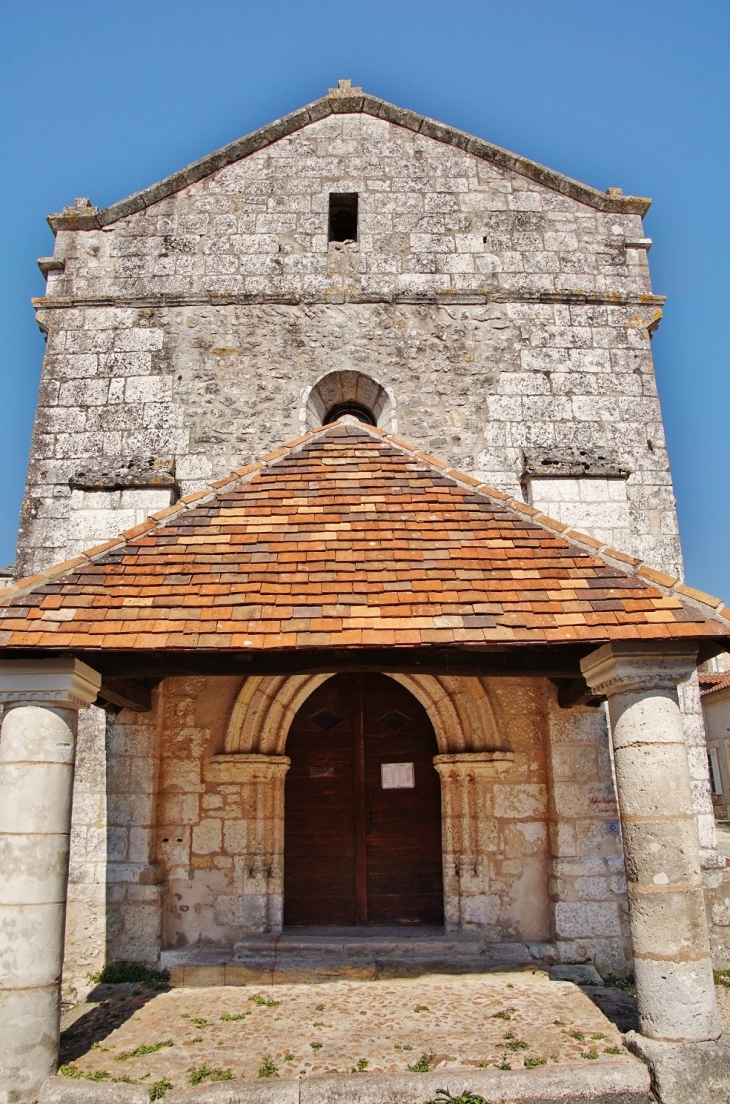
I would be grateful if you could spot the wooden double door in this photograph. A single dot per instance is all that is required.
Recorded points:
(362, 808)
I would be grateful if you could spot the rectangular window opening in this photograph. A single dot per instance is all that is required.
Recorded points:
(343, 216)
(713, 762)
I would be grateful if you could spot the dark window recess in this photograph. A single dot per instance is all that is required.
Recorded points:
(343, 216)
(356, 409)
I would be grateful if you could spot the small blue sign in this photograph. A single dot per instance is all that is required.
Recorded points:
(613, 828)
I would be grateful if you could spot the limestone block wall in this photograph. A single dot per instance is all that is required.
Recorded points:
(587, 885)
(496, 314)
(215, 387)
(194, 835)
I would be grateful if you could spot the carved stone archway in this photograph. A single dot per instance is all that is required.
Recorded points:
(459, 708)
(473, 755)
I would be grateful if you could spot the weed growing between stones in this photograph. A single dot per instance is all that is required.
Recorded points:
(598, 1035)
(143, 1048)
(722, 977)
(267, 1067)
(318, 1023)
(467, 1097)
(613, 1050)
(501, 1016)
(504, 1065)
(288, 1057)
(200, 1022)
(360, 1066)
(205, 1073)
(71, 1070)
(264, 1002)
(514, 1044)
(423, 1064)
(319, 1008)
(197, 1039)
(116, 973)
(591, 1055)
(158, 1090)
(577, 1035)
(228, 1018)
(316, 1046)
(533, 1063)
(421, 1008)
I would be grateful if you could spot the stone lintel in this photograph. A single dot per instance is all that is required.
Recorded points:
(571, 461)
(482, 764)
(64, 682)
(637, 665)
(135, 471)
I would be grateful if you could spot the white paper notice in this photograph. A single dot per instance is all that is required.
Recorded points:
(397, 776)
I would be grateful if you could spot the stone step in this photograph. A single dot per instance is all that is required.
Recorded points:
(316, 956)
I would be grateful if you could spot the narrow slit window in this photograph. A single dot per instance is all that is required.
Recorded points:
(343, 216)
(713, 762)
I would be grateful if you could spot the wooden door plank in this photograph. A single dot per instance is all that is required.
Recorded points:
(361, 861)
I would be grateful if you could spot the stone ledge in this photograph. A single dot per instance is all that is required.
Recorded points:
(624, 1081)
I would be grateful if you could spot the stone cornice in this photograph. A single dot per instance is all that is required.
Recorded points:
(216, 299)
(66, 683)
(346, 103)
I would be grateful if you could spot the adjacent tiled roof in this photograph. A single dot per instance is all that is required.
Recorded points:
(342, 101)
(349, 537)
(710, 683)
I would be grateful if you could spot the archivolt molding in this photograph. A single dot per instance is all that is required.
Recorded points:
(459, 709)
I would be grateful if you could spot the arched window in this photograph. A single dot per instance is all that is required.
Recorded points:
(348, 392)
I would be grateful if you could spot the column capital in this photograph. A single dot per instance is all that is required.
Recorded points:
(63, 682)
(245, 767)
(477, 764)
(638, 666)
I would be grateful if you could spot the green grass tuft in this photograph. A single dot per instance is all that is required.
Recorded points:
(115, 973)
(423, 1064)
(265, 1002)
(467, 1097)
(267, 1067)
(533, 1063)
(205, 1073)
(144, 1048)
(158, 1090)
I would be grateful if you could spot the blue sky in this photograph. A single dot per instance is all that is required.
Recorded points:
(101, 100)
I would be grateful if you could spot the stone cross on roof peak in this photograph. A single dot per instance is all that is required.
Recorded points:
(344, 88)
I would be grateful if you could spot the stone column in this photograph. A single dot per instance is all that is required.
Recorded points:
(673, 968)
(466, 817)
(256, 837)
(37, 748)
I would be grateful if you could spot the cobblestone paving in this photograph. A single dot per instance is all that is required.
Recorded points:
(508, 1020)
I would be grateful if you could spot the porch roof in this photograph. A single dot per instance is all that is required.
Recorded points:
(349, 538)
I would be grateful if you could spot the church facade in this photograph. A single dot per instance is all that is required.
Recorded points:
(348, 508)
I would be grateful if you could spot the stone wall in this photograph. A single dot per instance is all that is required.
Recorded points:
(190, 851)
(498, 315)
(588, 886)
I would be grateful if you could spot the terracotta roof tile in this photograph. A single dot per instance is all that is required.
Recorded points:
(349, 538)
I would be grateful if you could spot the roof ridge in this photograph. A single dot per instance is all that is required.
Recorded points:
(612, 557)
(343, 102)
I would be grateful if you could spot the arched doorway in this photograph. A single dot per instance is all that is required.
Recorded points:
(362, 808)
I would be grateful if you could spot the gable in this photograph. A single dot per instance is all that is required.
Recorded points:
(435, 220)
(348, 539)
(346, 100)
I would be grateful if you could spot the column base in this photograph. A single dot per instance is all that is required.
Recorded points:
(685, 1073)
(29, 1021)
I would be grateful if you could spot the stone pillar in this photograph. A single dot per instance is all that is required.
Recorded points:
(256, 837)
(467, 815)
(673, 968)
(37, 748)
